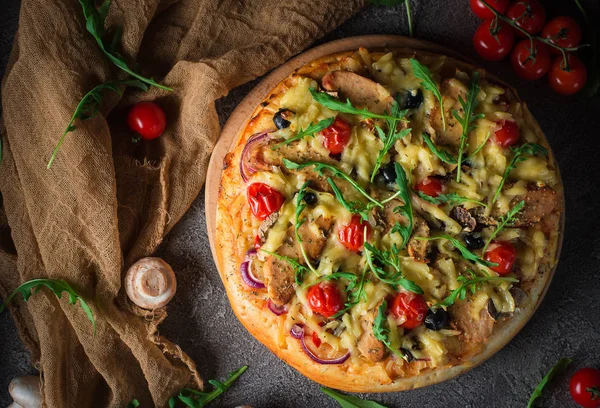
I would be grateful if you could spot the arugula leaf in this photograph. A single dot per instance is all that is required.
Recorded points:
(469, 117)
(299, 269)
(356, 292)
(300, 206)
(350, 401)
(94, 23)
(392, 259)
(381, 332)
(473, 285)
(423, 73)
(505, 220)
(531, 149)
(330, 102)
(133, 404)
(558, 368)
(405, 209)
(441, 154)
(481, 145)
(450, 198)
(58, 286)
(468, 255)
(88, 107)
(355, 207)
(309, 131)
(199, 399)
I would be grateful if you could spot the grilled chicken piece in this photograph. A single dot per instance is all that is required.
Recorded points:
(362, 92)
(473, 331)
(418, 248)
(451, 89)
(539, 202)
(389, 218)
(373, 349)
(314, 236)
(464, 218)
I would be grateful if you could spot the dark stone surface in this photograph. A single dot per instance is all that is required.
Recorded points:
(566, 324)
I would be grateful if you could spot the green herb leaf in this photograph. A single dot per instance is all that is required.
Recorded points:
(381, 332)
(133, 404)
(506, 219)
(309, 131)
(481, 145)
(199, 399)
(395, 278)
(355, 290)
(441, 154)
(300, 206)
(350, 401)
(423, 73)
(473, 285)
(468, 255)
(299, 269)
(559, 368)
(58, 286)
(450, 198)
(355, 207)
(530, 149)
(88, 107)
(405, 209)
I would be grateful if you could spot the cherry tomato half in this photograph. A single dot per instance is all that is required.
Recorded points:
(481, 11)
(567, 81)
(530, 15)
(410, 308)
(585, 387)
(325, 299)
(352, 236)
(493, 40)
(264, 200)
(530, 65)
(508, 134)
(432, 186)
(336, 136)
(148, 119)
(562, 31)
(503, 253)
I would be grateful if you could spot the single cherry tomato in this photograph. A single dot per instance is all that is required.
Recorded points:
(567, 80)
(562, 31)
(481, 11)
(336, 136)
(493, 40)
(503, 253)
(410, 308)
(530, 15)
(148, 119)
(432, 186)
(264, 200)
(531, 65)
(508, 134)
(585, 387)
(352, 236)
(325, 299)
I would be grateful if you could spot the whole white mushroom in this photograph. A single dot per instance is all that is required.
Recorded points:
(150, 283)
(26, 392)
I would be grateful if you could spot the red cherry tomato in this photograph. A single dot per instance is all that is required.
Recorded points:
(562, 31)
(528, 65)
(530, 15)
(432, 186)
(325, 299)
(410, 308)
(493, 41)
(264, 200)
(352, 236)
(481, 11)
(508, 134)
(336, 136)
(503, 253)
(585, 387)
(315, 339)
(567, 81)
(148, 119)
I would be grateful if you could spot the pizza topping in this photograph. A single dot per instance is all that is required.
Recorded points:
(461, 215)
(325, 299)
(251, 160)
(414, 99)
(409, 309)
(474, 241)
(264, 200)
(281, 118)
(352, 235)
(502, 253)
(246, 271)
(418, 248)
(530, 149)
(297, 332)
(539, 202)
(368, 345)
(508, 134)
(361, 91)
(279, 278)
(436, 319)
(277, 310)
(431, 186)
(475, 325)
(336, 136)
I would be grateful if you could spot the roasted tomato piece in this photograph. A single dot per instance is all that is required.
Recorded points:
(325, 299)
(409, 308)
(503, 253)
(264, 200)
(432, 186)
(336, 136)
(508, 134)
(352, 236)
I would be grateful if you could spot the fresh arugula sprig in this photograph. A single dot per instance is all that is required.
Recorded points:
(473, 284)
(309, 131)
(355, 289)
(450, 198)
(299, 269)
(447, 157)
(381, 332)
(354, 207)
(423, 73)
(396, 277)
(199, 399)
(506, 219)
(94, 23)
(558, 368)
(88, 107)
(404, 209)
(530, 149)
(300, 206)
(350, 401)
(467, 120)
(334, 104)
(133, 403)
(468, 255)
(58, 286)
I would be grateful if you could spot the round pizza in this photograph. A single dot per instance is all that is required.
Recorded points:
(388, 219)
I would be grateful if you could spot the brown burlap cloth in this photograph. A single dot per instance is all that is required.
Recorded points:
(105, 202)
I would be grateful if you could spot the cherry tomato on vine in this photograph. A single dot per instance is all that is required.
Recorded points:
(432, 186)
(530, 15)
(493, 40)
(409, 308)
(567, 80)
(562, 31)
(325, 299)
(148, 119)
(508, 134)
(503, 253)
(352, 236)
(336, 136)
(481, 11)
(585, 387)
(530, 65)
(264, 200)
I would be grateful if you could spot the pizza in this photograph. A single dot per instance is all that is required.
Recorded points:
(388, 219)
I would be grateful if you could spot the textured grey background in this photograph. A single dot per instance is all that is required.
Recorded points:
(566, 324)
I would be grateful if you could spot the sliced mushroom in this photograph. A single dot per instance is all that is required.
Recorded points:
(26, 391)
(150, 283)
(361, 91)
(266, 225)
(418, 248)
(464, 218)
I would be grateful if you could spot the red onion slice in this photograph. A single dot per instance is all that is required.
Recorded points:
(245, 170)
(278, 310)
(297, 332)
(246, 271)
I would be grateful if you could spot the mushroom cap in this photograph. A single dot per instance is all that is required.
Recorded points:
(150, 283)
(26, 392)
